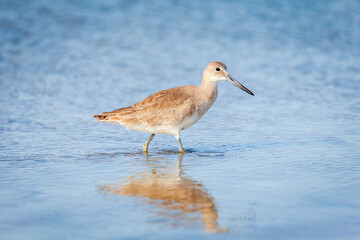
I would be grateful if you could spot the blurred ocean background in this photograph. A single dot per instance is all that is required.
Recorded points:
(284, 164)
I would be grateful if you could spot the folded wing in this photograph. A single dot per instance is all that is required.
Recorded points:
(168, 107)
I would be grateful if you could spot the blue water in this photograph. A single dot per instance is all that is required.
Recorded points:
(284, 164)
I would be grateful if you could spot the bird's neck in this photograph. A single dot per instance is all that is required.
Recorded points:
(208, 90)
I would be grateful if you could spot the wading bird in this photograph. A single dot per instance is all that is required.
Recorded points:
(172, 110)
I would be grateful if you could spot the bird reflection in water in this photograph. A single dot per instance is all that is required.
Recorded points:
(179, 198)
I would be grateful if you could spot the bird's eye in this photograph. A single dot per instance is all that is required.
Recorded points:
(217, 69)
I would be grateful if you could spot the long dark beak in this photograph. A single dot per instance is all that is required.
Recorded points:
(239, 85)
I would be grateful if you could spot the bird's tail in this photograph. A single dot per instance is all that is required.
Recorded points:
(100, 117)
(114, 115)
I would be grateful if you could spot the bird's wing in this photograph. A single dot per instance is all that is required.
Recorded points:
(161, 108)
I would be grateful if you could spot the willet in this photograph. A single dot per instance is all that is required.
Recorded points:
(172, 110)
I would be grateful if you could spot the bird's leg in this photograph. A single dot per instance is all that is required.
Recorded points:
(146, 144)
(181, 149)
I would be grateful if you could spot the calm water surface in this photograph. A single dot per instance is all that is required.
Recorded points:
(284, 164)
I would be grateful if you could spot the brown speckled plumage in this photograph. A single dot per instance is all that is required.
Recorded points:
(159, 108)
(172, 110)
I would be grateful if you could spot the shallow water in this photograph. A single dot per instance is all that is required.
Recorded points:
(284, 164)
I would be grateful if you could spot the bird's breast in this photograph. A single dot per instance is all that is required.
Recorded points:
(204, 106)
(201, 109)
(191, 120)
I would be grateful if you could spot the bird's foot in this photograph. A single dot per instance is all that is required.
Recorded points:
(182, 151)
(145, 149)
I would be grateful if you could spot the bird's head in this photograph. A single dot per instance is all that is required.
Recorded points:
(217, 71)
